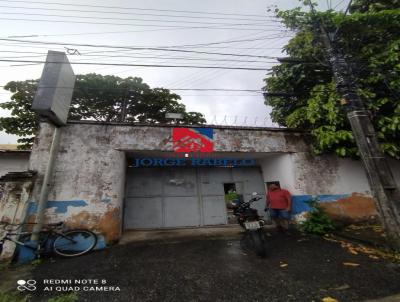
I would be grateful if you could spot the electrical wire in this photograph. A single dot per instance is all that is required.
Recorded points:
(208, 75)
(265, 18)
(134, 48)
(179, 89)
(138, 65)
(202, 74)
(148, 57)
(126, 24)
(138, 19)
(131, 8)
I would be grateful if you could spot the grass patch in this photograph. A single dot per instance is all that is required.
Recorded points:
(71, 297)
(12, 297)
(36, 262)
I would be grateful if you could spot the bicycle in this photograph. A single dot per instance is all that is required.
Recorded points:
(70, 243)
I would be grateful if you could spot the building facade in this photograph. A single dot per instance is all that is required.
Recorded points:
(116, 177)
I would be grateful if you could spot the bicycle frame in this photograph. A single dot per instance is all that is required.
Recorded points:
(8, 237)
(36, 248)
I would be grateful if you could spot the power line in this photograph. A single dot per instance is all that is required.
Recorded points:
(134, 48)
(196, 75)
(167, 46)
(170, 46)
(149, 57)
(207, 75)
(265, 18)
(180, 89)
(204, 70)
(255, 48)
(202, 45)
(126, 24)
(137, 19)
(217, 89)
(132, 8)
(138, 65)
(228, 41)
(224, 95)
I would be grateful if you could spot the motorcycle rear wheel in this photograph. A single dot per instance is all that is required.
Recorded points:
(259, 243)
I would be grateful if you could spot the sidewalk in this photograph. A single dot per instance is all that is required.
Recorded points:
(225, 231)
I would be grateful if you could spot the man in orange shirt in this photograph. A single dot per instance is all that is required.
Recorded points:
(279, 202)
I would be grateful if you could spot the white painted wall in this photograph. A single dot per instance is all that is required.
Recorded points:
(13, 162)
(279, 167)
(305, 174)
(351, 177)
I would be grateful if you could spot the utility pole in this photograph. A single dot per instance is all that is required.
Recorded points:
(384, 189)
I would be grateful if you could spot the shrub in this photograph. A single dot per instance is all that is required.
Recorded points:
(317, 221)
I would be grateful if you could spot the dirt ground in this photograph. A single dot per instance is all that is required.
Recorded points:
(298, 268)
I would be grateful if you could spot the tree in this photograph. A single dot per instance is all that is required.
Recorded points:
(98, 98)
(370, 38)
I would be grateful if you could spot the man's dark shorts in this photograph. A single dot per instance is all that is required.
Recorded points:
(278, 213)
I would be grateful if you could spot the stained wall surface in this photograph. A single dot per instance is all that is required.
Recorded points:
(88, 183)
(13, 161)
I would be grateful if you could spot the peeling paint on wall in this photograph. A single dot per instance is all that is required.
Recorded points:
(16, 191)
(87, 188)
(107, 223)
(355, 207)
(60, 206)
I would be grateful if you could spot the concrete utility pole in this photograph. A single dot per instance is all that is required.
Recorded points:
(384, 189)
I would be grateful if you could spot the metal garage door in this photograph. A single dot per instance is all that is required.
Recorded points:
(182, 196)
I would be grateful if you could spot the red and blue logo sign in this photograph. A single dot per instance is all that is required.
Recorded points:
(192, 139)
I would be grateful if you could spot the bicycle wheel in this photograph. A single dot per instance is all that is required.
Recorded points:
(74, 243)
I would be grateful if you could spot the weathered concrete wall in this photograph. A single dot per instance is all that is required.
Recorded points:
(88, 182)
(13, 161)
(340, 184)
(87, 188)
(15, 193)
(147, 138)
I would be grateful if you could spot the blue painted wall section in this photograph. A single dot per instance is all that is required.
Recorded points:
(26, 254)
(61, 206)
(299, 202)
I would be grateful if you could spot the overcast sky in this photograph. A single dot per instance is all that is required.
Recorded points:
(153, 23)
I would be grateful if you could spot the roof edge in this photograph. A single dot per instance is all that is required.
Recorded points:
(72, 122)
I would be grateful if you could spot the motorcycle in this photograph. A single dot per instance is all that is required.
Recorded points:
(252, 223)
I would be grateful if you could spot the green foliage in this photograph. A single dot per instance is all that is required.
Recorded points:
(12, 297)
(231, 196)
(96, 97)
(317, 223)
(36, 262)
(370, 38)
(71, 297)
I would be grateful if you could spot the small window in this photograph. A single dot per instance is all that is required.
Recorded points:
(275, 182)
(229, 187)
